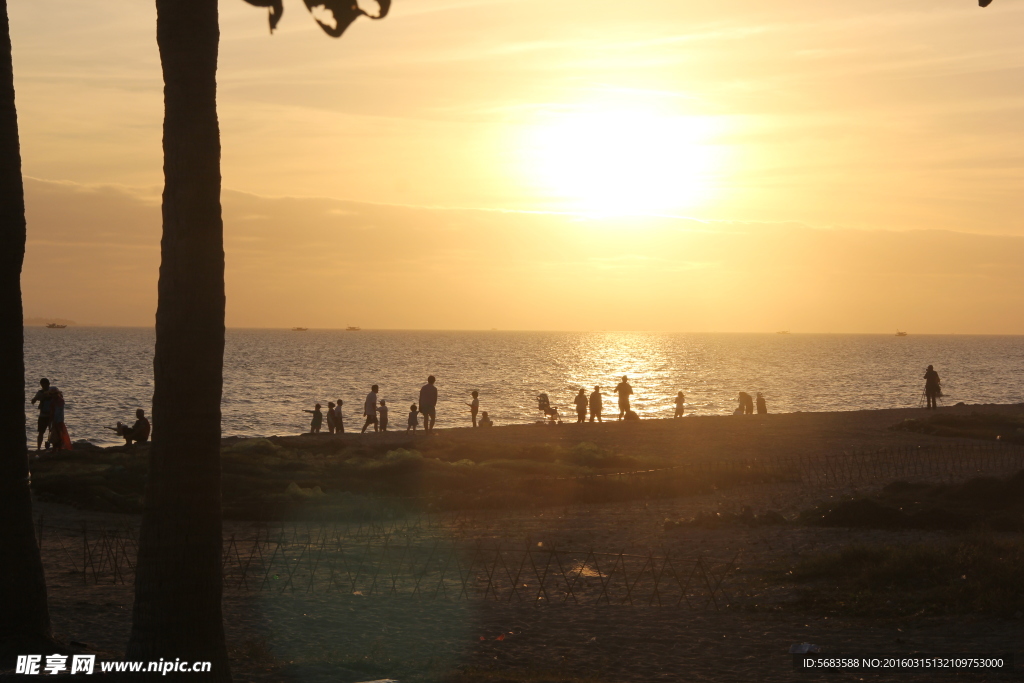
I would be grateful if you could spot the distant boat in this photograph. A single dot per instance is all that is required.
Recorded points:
(353, 328)
(900, 334)
(55, 326)
(299, 329)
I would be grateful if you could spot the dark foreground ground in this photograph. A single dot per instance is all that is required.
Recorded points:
(293, 635)
(784, 584)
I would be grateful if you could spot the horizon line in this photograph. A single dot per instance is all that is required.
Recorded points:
(564, 331)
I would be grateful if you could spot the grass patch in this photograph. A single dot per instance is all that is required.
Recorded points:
(970, 576)
(987, 426)
(291, 477)
(990, 503)
(328, 478)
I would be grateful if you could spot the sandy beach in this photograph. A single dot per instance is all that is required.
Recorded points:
(301, 633)
(711, 437)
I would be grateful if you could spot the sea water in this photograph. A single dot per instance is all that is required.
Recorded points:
(270, 376)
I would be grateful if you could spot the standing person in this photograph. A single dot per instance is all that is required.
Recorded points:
(414, 418)
(581, 406)
(680, 404)
(318, 419)
(370, 409)
(596, 404)
(746, 404)
(762, 407)
(624, 391)
(474, 407)
(45, 411)
(58, 430)
(331, 417)
(383, 410)
(339, 422)
(428, 404)
(932, 388)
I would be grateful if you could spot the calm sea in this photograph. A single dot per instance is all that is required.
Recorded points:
(270, 376)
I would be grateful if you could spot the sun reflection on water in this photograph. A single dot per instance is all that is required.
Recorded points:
(270, 376)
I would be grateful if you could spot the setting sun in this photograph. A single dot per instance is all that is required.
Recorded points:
(623, 161)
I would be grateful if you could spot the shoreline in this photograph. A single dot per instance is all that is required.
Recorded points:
(73, 324)
(707, 435)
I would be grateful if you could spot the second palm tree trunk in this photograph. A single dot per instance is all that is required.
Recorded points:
(177, 613)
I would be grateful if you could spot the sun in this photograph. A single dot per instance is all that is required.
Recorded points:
(622, 161)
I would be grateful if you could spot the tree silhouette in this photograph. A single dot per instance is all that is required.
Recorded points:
(24, 617)
(178, 584)
(343, 11)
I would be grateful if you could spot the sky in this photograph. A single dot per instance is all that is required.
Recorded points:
(737, 166)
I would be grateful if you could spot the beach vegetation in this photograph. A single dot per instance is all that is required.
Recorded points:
(976, 574)
(1004, 427)
(995, 503)
(253, 447)
(434, 474)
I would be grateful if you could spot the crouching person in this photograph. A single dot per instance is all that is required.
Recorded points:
(138, 432)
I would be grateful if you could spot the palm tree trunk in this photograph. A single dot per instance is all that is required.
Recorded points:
(178, 580)
(24, 618)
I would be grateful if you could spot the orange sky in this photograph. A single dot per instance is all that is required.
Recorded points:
(729, 166)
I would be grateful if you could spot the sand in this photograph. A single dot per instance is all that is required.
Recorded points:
(704, 437)
(313, 637)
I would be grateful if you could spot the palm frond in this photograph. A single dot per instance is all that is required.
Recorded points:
(343, 11)
(276, 10)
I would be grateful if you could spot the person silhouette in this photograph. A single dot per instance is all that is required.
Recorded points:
(474, 406)
(485, 421)
(331, 417)
(746, 404)
(581, 406)
(428, 404)
(58, 438)
(138, 432)
(318, 419)
(680, 404)
(762, 407)
(932, 388)
(596, 404)
(624, 391)
(339, 422)
(370, 409)
(45, 411)
(383, 410)
(544, 405)
(414, 418)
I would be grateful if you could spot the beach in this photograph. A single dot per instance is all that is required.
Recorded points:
(781, 240)
(314, 629)
(271, 376)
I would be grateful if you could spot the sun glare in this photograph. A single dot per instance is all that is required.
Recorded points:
(622, 161)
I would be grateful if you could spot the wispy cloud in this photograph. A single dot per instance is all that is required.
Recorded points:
(93, 254)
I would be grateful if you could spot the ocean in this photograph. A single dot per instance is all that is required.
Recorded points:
(270, 376)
